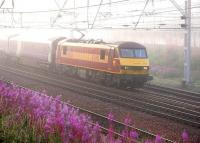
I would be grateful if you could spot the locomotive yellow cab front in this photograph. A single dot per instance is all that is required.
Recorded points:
(134, 64)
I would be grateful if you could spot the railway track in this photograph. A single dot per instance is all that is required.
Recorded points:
(118, 126)
(179, 107)
(174, 91)
(159, 105)
(174, 108)
(188, 102)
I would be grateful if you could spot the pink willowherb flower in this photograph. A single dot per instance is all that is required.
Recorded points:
(110, 116)
(185, 136)
(127, 120)
(158, 139)
(49, 116)
(134, 135)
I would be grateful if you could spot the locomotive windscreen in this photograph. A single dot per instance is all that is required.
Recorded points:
(133, 53)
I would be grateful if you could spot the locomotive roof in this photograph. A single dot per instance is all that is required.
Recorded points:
(102, 45)
(88, 45)
(130, 45)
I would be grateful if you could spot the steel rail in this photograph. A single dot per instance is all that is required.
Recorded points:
(171, 98)
(166, 99)
(142, 106)
(182, 93)
(178, 99)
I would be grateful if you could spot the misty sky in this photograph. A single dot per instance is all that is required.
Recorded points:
(120, 14)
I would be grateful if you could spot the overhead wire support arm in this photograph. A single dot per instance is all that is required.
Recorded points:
(141, 13)
(8, 7)
(60, 9)
(88, 3)
(178, 7)
(2, 3)
(97, 13)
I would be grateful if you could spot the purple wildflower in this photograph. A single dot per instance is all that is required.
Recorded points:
(185, 136)
(127, 120)
(110, 116)
(51, 116)
(158, 139)
(134, 135)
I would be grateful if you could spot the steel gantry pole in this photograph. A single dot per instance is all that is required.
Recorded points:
(187, 47)
(187, 44)
(186, 14)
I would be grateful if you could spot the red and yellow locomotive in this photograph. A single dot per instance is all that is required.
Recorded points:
(122, 64)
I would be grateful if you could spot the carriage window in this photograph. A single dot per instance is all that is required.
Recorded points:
(64, 50)
(102, 54)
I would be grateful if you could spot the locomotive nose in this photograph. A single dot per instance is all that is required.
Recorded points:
(134, 62)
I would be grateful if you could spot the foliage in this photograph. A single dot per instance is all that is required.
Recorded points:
(168, 62)
(28, 116)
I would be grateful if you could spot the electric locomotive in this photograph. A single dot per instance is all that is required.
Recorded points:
(122, 64)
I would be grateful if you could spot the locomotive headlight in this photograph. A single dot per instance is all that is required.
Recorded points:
(145, 68)
(124, 67)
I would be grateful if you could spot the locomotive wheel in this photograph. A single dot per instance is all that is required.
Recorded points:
(117, 83)
(92, 77)
(108, 80)
(89, 76)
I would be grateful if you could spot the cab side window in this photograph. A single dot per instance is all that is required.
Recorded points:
(102, 54)
(116, 55)
(64, 50)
